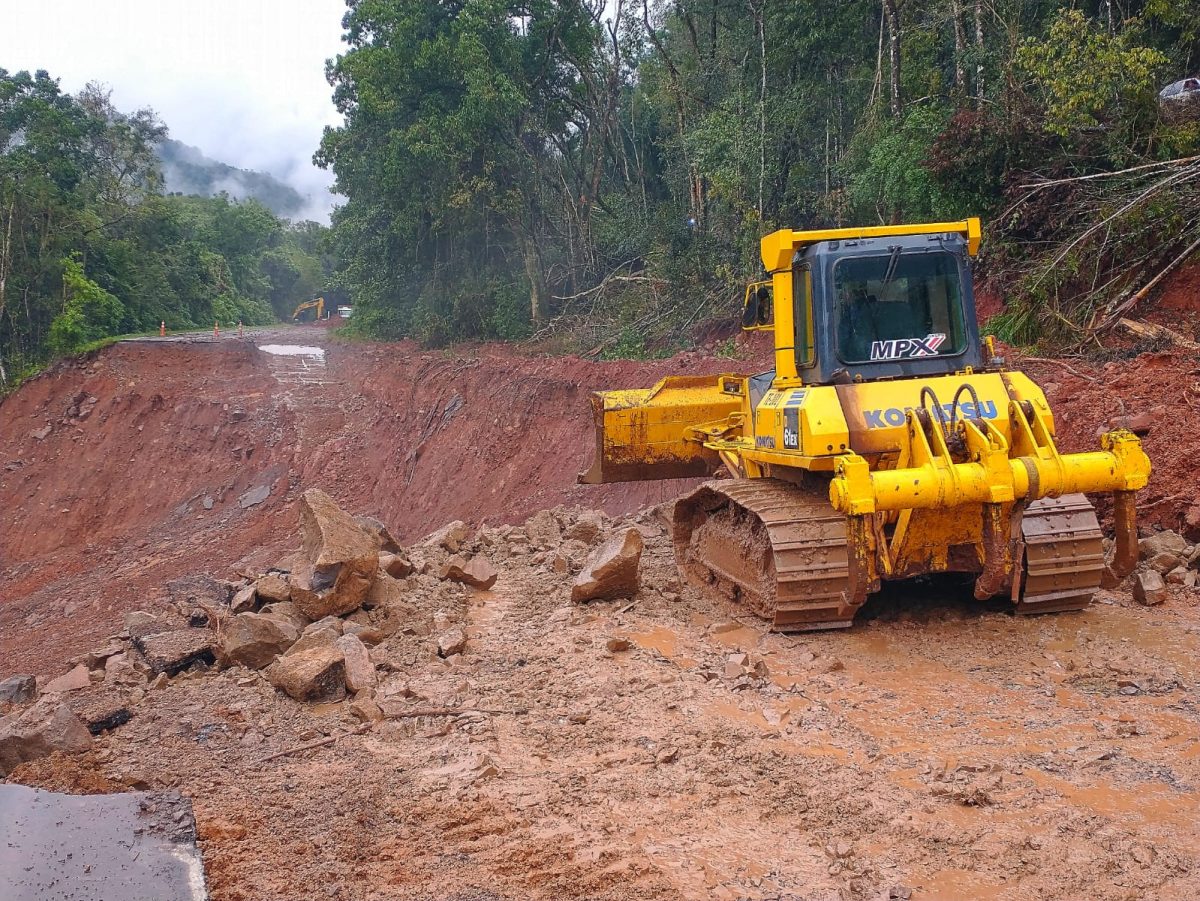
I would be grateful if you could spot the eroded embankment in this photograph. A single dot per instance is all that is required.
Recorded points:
(151, 460)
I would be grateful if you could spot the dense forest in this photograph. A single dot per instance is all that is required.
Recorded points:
(90, 247)
(608, 166)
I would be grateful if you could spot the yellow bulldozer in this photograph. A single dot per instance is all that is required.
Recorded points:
(890, 441)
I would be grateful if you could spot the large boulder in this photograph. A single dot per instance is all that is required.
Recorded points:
(321, 634)
(331, 536)
(254, 640)
(317, 674)
(39, 731)
(335, 591)
(477, 572)
(1164, 542)
(612, 571)
(173, 652)
(385, 592)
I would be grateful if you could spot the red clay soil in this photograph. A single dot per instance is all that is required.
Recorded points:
(107, 506)
(103, 509)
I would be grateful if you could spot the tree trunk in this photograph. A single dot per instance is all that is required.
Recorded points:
(960, 48)
(891, 11)
(759, 13)
(979, 54)
(533, 271)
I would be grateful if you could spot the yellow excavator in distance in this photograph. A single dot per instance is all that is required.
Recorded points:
(317, 303)
(889, 441)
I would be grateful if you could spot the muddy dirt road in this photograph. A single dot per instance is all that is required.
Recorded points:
(939, 750)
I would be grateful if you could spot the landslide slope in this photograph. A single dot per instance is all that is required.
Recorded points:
(151, 460)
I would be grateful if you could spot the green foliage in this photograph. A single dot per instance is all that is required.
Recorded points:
(89, 313)
(1089, 80)
(96, 250)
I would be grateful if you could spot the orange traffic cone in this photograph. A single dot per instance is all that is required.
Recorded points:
(239, 328)
(162, 329)
(216, 329)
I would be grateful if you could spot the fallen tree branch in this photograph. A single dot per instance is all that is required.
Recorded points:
(318, 743)
(447, 711)
(1157, 332)
(1140, 295)
(612, 278)
(1071, 369)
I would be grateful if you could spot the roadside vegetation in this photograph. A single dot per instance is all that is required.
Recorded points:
(91, 248)
(605, 169)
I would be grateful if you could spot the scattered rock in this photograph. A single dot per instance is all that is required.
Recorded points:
(395, 566)
(254, 496)
(587, 527)
(367, 634)
(736, 665)
(360, 672)
(385, 592)
(173, 652)
(331, 536)
(612, 571)
(254, 640)
(317, 674)
(244, 600)
(1179, 575)
(41, 434)
(1149, 588)
(1165, 561)
(95, 659)
(17, 690)
(367, 710)
(102, 713)
(272, 589)
(616, 645)
(44, 728)
(477, 572)
(452, 642)
(77, 678)
(450, 536)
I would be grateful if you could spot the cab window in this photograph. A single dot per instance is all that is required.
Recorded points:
(898, 306)
(806, 353)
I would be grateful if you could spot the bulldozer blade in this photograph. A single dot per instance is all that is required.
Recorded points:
(646, 434)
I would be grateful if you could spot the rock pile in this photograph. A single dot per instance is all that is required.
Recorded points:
(331, 621)
(1166, 559)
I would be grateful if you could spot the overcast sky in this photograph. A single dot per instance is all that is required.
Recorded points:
(243, 80)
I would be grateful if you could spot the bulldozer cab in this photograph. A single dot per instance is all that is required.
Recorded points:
(874, 303)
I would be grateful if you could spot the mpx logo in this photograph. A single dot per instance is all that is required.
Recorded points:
(898, 348)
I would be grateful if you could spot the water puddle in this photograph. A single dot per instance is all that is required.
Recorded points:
(292, 350)
(661, 639)
(954, 885)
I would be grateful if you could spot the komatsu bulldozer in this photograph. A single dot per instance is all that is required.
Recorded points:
(889, 441)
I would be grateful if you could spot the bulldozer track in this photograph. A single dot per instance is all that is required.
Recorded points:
(1064, 555)
(777, 547)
